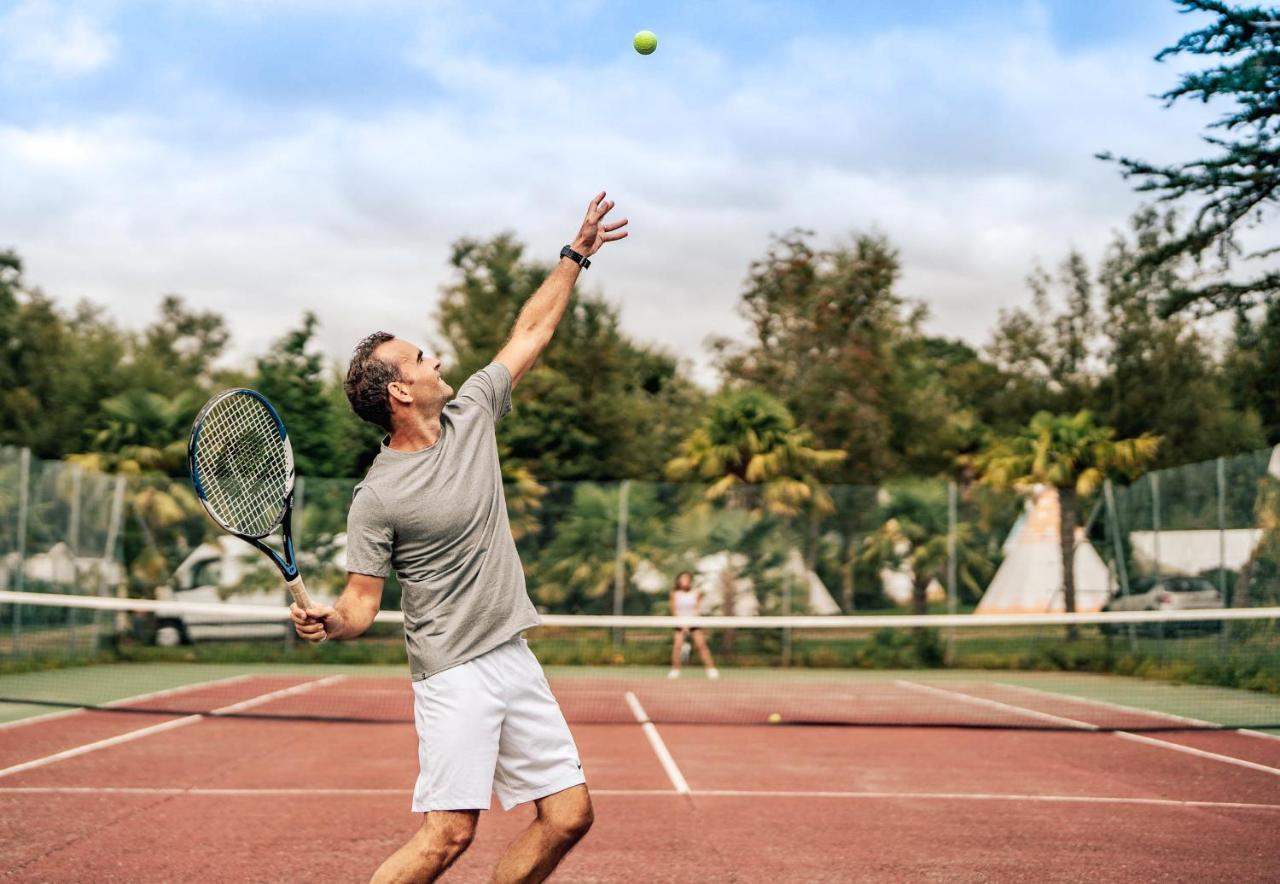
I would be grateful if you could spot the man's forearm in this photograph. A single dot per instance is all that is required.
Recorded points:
(542, 312)
(355, 616)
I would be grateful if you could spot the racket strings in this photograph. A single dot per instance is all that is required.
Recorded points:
(243, 465)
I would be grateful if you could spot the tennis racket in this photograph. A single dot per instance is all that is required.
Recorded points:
(242, 468)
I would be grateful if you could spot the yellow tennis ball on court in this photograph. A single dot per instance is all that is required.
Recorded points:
(645, 42)
(774, 718)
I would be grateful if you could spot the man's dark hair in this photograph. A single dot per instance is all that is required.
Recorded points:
(367, 379)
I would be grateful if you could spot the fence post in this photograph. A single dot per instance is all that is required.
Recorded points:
(1122, 572)
(619, 562)
(114, 523)
(1155, 521)
(1222, 529)
(24, 485)
(73, 545)
(953, 600)
(73, 518)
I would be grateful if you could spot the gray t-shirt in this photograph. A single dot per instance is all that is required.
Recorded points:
(439, 517)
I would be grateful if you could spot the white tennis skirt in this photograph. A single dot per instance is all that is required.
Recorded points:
(491, 725)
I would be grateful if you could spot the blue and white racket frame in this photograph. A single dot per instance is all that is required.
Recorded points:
(288, 563)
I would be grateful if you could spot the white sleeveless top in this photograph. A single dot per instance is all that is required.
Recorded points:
(686, 603)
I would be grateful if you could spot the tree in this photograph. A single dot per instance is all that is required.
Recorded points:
(1241, 181)
(177, 352)
(1161, 376)
(1048, 352)
(752, 455)
(826, 328)
(912, 538)
(143, 432)
(55, 370)
(1073, 454)
(1252, 365)
(593, 393)
(296, 381)
(576, 571)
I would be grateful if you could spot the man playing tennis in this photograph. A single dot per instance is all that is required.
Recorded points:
(432, 507)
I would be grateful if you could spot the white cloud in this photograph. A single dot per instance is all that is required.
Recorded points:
(972, 152)
(38, 36)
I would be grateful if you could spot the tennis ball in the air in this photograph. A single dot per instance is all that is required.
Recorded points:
(774, 718)
(645, 42)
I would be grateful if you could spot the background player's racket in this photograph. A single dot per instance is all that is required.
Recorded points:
(242, 468)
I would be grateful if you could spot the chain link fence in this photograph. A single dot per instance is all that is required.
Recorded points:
(616, 547)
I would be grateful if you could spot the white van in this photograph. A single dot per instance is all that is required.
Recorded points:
(230, 571)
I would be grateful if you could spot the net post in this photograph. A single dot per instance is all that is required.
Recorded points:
(619, 560)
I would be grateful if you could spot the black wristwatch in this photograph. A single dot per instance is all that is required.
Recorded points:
(581, 260)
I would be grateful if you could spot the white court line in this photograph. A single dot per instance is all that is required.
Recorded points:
(100, 744)
(163, 726)
(659, 747)
(662, 793)
(1150, 741)
(1105, 704)
(1199, 753)
(277, 695)
(981, 796)
(996, 704)
(116, 704)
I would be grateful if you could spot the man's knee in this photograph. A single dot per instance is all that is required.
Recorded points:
(571, 821)
(450, 834)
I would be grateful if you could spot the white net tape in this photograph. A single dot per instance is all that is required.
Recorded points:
(243, 464)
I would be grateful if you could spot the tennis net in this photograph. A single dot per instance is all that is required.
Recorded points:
(1135, 671)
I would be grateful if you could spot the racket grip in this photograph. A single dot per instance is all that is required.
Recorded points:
(299, 593)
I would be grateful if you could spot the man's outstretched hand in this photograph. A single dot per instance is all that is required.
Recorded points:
(594, 232)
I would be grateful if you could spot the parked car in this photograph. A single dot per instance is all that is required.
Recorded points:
(229, 571)
(1167, 594)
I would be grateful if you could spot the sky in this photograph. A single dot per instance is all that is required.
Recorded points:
(267, 158)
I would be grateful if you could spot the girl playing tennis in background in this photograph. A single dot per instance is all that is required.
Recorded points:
(684, 603)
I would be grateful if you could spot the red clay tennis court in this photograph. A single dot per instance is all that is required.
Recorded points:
(250, 795)
(227, 775)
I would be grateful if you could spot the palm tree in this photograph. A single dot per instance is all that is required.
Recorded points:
(524, 495)
(1074, 455)
(913, 538)
(576, 571)
(145, 432)
(754, 457)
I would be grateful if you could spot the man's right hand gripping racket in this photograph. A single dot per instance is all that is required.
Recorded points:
(242, 468)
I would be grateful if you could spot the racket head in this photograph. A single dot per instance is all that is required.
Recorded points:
(242, 463)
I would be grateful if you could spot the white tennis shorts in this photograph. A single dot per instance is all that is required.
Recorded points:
(491, 725)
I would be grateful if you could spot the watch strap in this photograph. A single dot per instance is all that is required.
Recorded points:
(581, 260)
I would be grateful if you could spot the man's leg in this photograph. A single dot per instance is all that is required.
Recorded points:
(563, 818)
(443, 837)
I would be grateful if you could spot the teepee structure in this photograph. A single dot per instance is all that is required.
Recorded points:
(1030, 579)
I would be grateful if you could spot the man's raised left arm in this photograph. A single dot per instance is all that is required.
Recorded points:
(541, 313)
